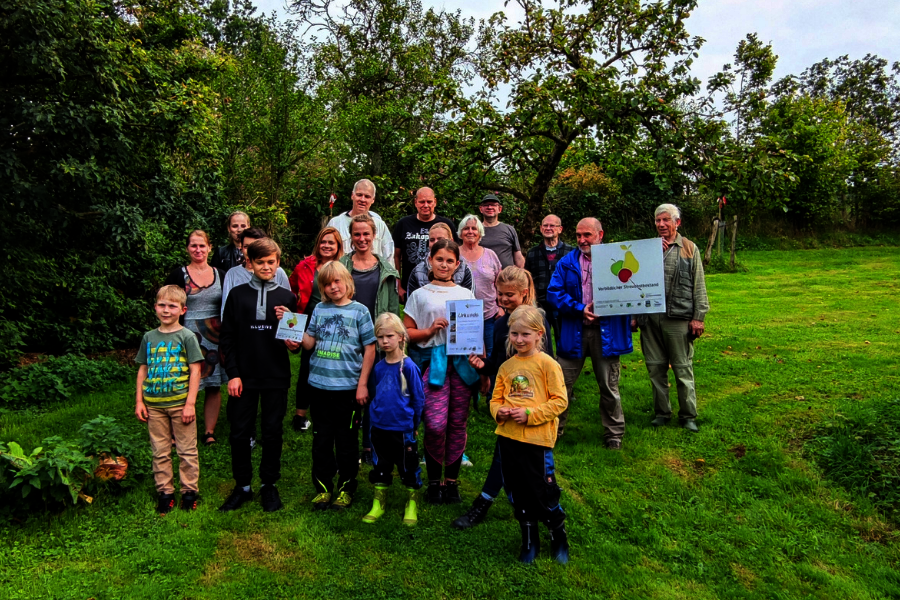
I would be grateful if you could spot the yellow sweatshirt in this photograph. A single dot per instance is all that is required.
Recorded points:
(535, 383)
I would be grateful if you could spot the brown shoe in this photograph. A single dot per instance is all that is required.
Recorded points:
(614, 445)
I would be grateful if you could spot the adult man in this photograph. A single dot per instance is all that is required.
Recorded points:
(500, 237)
(363, 197)
(411, 235)
(541, 262)
(583, 334)
(668, 338)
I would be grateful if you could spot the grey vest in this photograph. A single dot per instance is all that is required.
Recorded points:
(680, 299)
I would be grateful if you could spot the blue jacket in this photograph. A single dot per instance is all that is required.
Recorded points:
(391, 409)
(564, 292)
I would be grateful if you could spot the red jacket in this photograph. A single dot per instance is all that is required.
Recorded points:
(302, 280)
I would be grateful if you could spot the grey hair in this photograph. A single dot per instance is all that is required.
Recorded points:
(670, 209)
(466, 219)
(366, 182)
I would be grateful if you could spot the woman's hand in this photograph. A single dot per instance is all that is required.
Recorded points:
(476, 361)
(519, 415)
(439, 324)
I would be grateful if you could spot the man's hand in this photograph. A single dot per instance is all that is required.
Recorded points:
(485, 385)
(519, 415)
(188, 414)
(362, 394)
(292, 345)
(235, 387)
(140, 411)
(665, 244)
(589, 316)
(696, 328)
(401, 292)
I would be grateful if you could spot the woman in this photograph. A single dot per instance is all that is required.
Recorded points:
(329, 246)
(203, 285)
(421, 274)
(230, 255)
(485, 266)
(376, 289)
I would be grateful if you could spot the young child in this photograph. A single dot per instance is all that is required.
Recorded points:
(395, 413)
(167, 383)
(528, 398)
(341, 332)
(515, 287)
(259, 374)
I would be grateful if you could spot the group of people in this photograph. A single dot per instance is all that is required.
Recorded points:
(363, 366)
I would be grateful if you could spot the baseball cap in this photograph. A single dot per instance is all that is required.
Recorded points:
(491, 198)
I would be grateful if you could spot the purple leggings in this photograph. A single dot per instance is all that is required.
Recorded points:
(445, 415)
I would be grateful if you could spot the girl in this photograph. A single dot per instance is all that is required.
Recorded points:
(395, 413)
(341, 332)
(229, 256)
(447, 379)
(203, 285)
(514, 289)
(529, 396)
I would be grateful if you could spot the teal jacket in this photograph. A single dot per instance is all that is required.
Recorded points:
(387, 299)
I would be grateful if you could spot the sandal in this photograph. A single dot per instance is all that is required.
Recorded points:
(208, 439)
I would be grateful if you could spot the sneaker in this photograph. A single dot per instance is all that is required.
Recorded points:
(451, 493)
(466, 462)
(189, 501)
(475, 515)
(614, 445)
(165, 504)
(342, 502)
(322, 501)
(269, 498)
(688, 424)
(237, 499)
(300, 423)
(435, 493)
(365, 458)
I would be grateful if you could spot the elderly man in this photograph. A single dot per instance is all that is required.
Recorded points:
(363, 197)
(411, 235)
(541, 262)
(583, 334)
(500, 237)
(668, 338)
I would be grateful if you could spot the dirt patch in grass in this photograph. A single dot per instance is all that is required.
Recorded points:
(252, 549)
(875, 530)
(570, 491)
(744, 575)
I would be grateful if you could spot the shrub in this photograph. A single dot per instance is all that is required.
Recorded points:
(57, 470)
(104, 436)
(58, 379)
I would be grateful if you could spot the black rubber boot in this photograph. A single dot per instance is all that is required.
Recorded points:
(475, 515)
(559, 544)
(531, 542)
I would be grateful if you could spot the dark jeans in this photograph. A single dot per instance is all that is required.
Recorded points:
(529, 475)
(304, 390)
(434, 469)
(241, 412)
(335, 421)
(391, 448)
(494, 482)
(489, 335)
(366, 426)
(553, 318)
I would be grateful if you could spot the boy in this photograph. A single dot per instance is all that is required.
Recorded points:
(259, 373)
(167, 384)
(244, 273)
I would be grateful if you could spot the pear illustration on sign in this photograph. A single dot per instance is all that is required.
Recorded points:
(292, 322)
(624, 269)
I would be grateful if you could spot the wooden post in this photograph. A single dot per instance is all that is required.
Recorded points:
(712, 240)
(733, 237)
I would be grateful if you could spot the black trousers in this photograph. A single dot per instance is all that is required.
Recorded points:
(391, 448)
(304, 390)
(529, 475)
(436, 469)
(241, 412)
(335, 423)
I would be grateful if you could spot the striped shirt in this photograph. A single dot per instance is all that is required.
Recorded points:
(341, 333)
(168, 357)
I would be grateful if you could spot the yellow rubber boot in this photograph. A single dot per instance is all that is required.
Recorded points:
(378, 504)
(410, 516)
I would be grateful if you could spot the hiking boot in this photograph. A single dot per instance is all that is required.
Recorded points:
(189, 501)
(688, 424)
(475, 515)
(531, 542)
(300, 423)
(342, 502)
(559, 544)
(269, 498)
(237, 499)
(614, 445)
(660, 422)
(410, 514)
(165, 504)
(322, 501)
(378, 504)
(451, 493)
(435, 493)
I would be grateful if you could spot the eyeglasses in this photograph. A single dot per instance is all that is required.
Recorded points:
(550, 226)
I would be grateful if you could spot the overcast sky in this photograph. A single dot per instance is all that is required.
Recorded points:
(801, 32)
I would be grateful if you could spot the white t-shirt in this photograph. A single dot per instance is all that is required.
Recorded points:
(383, 244)
(429, 303)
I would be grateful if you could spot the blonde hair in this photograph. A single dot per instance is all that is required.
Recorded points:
(391, 322)
(442, 227)
(199, 233)
(520, 280)
(363, 218)
(530, 317)
(172, 292)
(237, 213)
(334, 270)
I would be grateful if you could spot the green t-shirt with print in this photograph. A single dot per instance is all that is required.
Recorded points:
(168, 357)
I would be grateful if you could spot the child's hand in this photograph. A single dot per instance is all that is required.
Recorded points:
(188, 414)
(280, 310)
(140, 411)
(362, 394)
(235, 387)
(439, 323)
(519, 415)
(503, 414)
(485, 385)
(292, 346)
(476, 362)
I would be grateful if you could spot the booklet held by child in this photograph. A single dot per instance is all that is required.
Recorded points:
(291, 327)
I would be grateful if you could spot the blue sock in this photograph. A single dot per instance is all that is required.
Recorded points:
(246, 488)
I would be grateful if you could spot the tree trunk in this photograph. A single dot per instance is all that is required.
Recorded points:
(712, 240)
(733, 237)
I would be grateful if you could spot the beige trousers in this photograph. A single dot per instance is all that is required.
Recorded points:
(164, 424)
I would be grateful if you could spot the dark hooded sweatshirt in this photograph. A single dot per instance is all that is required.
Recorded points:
(248, 345)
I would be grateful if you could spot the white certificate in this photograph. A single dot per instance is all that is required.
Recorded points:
(291, 327)
(628, 278)
(465, 331)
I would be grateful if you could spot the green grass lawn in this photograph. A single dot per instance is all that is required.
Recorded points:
(736, 511)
